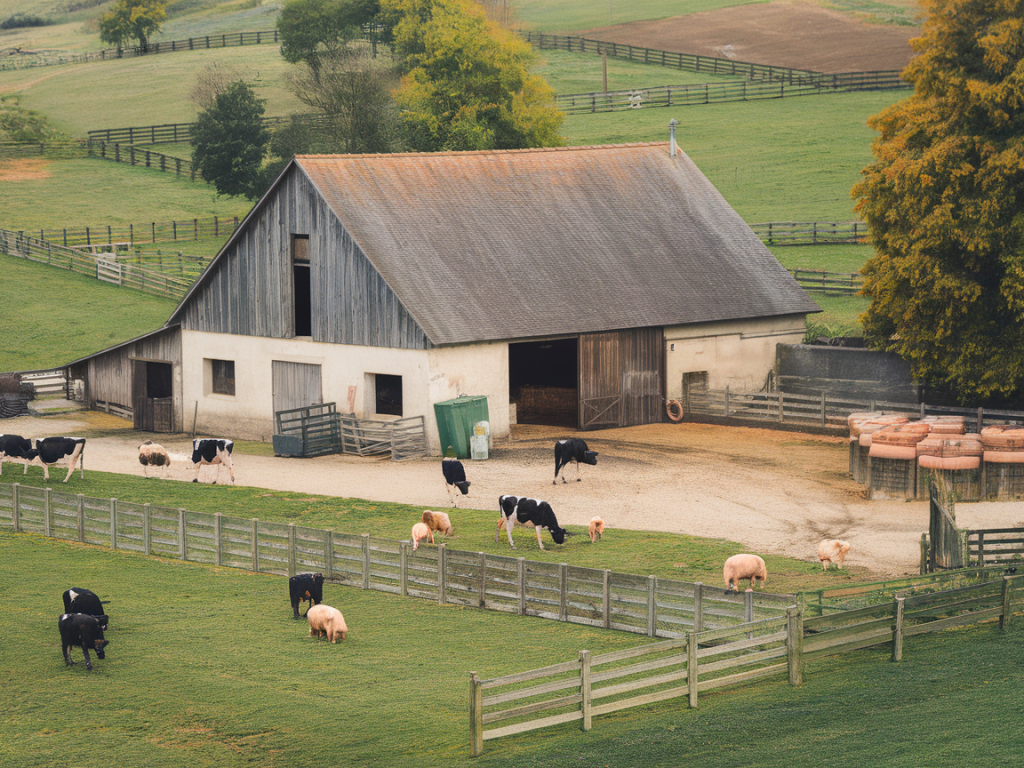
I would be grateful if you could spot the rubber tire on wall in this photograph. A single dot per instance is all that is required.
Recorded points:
(674, 409)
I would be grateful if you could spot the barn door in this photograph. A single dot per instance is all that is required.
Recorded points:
(620, 378)
(142, 407)
(296, 385)
(152, 396)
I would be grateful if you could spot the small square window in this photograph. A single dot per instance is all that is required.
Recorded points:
(223, 377)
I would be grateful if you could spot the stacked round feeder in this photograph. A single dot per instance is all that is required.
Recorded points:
(1004, 461)
(953, 458)
(862, 427)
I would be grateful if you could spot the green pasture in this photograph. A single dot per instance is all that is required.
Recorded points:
(92, 315)
(575, 15)
(206, 667)
(840, 315)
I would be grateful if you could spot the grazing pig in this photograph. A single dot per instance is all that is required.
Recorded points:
(832, 551)
(81, 630)
(437, 521)
(326, 621)
(740, 567)
(420, 532)
(596, 528)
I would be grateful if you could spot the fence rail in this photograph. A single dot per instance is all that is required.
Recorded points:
(828, 282)
(811, 232)
(115, 237)
(177, 133)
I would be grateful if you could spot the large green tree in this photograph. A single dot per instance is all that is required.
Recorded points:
(312, 30)
(229, 141)
(132, 20)
(944, 200)
(467, 82)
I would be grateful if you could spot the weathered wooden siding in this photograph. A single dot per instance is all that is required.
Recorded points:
(296, 385)
(250, 288)
(620, 379)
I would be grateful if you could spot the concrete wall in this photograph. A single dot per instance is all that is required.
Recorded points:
(427, 377)
(858, 374)
(739, 353)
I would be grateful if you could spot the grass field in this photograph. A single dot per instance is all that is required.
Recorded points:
(206, 667)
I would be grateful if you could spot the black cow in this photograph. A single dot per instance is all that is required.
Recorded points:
(16, 448)
(206, 450)
(83, 630)
(454, 476)
(572, 449)
(78, 600)
(531, 513)
(306, 586)
(53, 450)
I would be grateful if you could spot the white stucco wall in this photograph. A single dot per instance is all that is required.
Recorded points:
(739, 354)
(428, 376)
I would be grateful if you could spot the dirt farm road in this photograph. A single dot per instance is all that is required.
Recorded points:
(773, 492)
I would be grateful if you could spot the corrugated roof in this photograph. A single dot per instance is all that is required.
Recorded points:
(514, 244)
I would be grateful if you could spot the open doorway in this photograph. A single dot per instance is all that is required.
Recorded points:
(153, 396)
(543, 381)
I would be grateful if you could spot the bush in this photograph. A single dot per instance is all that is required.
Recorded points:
(20, 20)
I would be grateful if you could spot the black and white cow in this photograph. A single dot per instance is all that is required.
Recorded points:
(53, 450)
(306, 586)
(454, 477)
(79, 600)
(16, 448)
(572, 449)
(206, 450)
(81, 630)
(531, 513)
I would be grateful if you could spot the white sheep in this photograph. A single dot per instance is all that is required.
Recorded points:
(596, 528)
(153, 455)
(740, 567)
(421, 532)
(325, 620)
(437, 521)
(832, 551)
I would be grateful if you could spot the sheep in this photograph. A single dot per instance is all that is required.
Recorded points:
(151, 454)
(596, 528)
(437, 521)
(832, 551)
(325, 620)
(740, 567)
(420, 531)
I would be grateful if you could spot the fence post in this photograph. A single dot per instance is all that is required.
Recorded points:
(795, 644)
(476, 722)
(16, 501)
(442, 574)
(366, 561)
(748, 609)
(291, 549)
(606, 599)
(218, 528)
(147, 534)
(897, 629)
(1004, 617)
(81, 517)
(521, 582)
(585, 689)
(981, 549)
(403, 566)
(113, 523)
(924, 553)
(254, 539)
(727, 401)
(563, 592)
(823, 409)
(698, 607)
(483, 579)
(652, 606)
(691, 668)
(328, 555)
(47, 525)
(780, 406)
(182, 533)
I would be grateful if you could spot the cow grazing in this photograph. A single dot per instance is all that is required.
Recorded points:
(454, 477)
(207, 450)
(325, 621)
(78, 600)
(596, 528)
(740, 567)
(531, 513)
(53, 450)
(420, 532)
(16, 448)
(82, 630)
(437, 521)
(153, 455)
(832, 551)
(305, 586)
(572, 449)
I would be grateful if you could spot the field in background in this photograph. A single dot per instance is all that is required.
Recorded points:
(573, 15)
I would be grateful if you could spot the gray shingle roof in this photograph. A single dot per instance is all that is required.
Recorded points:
(502, 245)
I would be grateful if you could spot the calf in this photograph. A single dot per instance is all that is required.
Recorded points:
(306, 586)
(78, 600)
(572, 449)
(79, 629)
(207, 450)
(530, 513)
(326, 621)
(16, 448)
(454, 477)
(53, 450)
(153, 455)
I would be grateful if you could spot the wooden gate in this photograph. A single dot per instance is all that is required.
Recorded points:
(620, 379)
(152, 400)
(296, 385)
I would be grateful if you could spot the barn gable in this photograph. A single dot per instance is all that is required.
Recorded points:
(252, 288)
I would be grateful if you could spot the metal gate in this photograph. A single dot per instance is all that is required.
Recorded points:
(620, 382)
(296, 385)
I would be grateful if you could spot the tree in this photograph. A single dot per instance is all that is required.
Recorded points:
(132, 19)
(210, 81)
(313, 29)
(467, 83)
(229, 141)
(944, 201)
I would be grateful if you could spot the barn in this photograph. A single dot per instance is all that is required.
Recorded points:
(580, 286)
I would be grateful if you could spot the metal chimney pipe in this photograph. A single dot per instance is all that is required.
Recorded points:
(673, 149)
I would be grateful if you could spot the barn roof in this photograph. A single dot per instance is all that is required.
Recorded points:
(513, 244)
